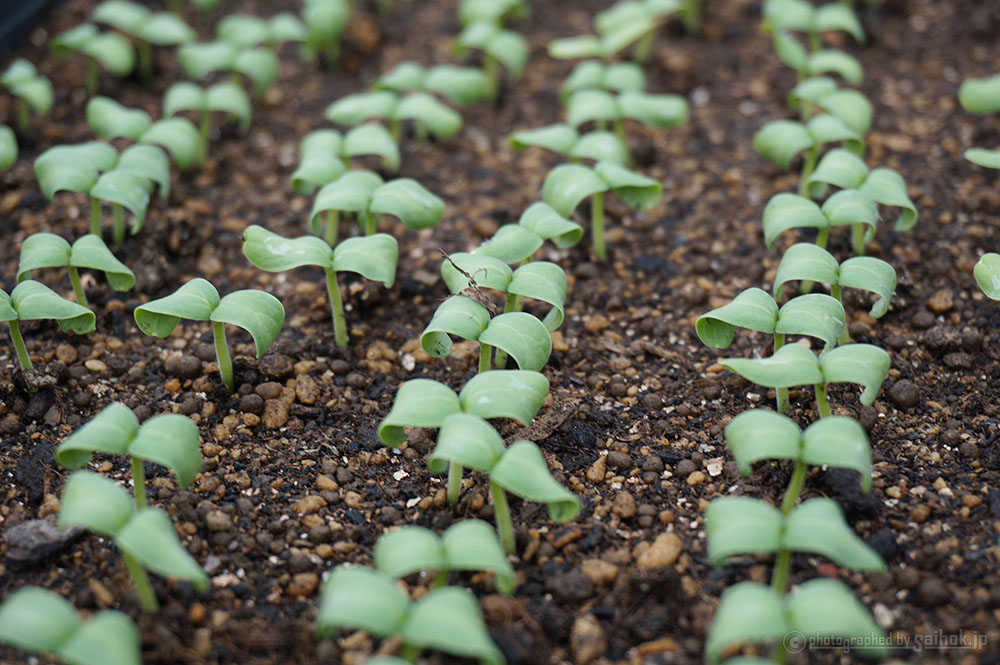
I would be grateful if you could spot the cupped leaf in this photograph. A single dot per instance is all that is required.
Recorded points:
(558, 138)
(523, 337)
(791, 365)
(467, 440)
(351, 192)
(109, 119)
(987, 273)
(257, 312)
(109, 638)
(850, 107)
(407, 75)
(229, 98)
(372, 139)
(418, 403)
(591, 105)
(634, 189)
(818, 526)
(149, 162)
(408, 200)
(114, 52)
(473, 545)
(805, 261)
(170, 440)
(458, 315)
(361, 598)
(840, 442)
(840, 168)
(510, 393)
(8, 147)
(508, 47)
(94, 502)
(183, 96)
(837, 62)
(426, 110)
(260, 65)
(522, 471)
(484, 271)
(33, 300)
(320, 162)
(110, 431)
(825, 128)
(544, 281)
(791, 52)
(271, 252)
(22, 79)
(461, 85)
(740, 525)
(887, 187)
(199, 60)
(42, 250)
(373, 257)
(870, 274)
(493, 11)
(863, 364)
(836, 16)
(758, 435)
(780, 140)
(542, 219)
(356, 108)
(813, 314)
(512, 243)
(617, 77)
(980, 95)
(195, 300)
(409, 549)
(166, 29)
(789, 211)
(581, 46)
(850, 206)
(325, 22)
(129, 190)
(449, 620)
(73, 168)
(601, 147)
(748, 612)
(150, 537)
(753, 309)
(180, 138)
(121, 15)
(981, 157)
(654, 110)
(568, 184)
(827, 608)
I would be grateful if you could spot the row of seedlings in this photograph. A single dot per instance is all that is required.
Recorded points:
(822, 608)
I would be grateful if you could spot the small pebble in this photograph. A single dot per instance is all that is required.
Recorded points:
(904, 395)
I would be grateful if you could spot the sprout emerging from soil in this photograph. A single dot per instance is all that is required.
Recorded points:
(459, 85)
(145, 536)
(40, 621)
(226, 97)
(170, 440)
(517, 243)
(498, 47)
(33, 91)
(428, 113)
(326, 153)
(447, 619)
(325, 22)
(32, 300)
(466, 545)
(259, 65)
(47, 250)
(568, 184)
(373, 257)
(96, 169)
(257, 312)
(981, 96)
(107, 49)
(178, 136)
(146, 28)
(8, 147)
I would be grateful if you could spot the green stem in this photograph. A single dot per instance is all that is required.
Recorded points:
(143, 587)
(90, 77)
(782, 393)
(858, 238)
(74, 278)
(23, 116)
(691, 15)
(454, 482)
(138, 483)
(814, 42)
(782, 566)
(337, 307)
(440, 579)
(794, 488)
(176, 7)
(95, 216)
(644, 47)
(332, 221)
(205, 127)
(485, 362)
(512, 304)
(501, 511)
(822, 404)
(492, 76)
(420, 129)
(118, 231)
(222, 354)
(835, 291)
(369, 222)
(409, 652)
(808, 166)
(145, 56)
(22, 351)
(597, 225)
(395, 130)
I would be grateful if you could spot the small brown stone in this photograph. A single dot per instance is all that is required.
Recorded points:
(596, 323)
(600, 572)
(306, 389)
(588, 640)
(309, 503)
(95, 366)
(920, 513)
(696, 478)
(624, 505)
(275, 414)
(595, 473)
(663, 552)
(66, 354)
(303, 584)
(326, 483)
(941, 302)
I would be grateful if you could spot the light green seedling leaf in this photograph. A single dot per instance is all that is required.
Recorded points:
(426, 110)
(351, 192)
(568, 184)
(467, 440)
(637, 191)
(121, 15)
(987, 272)
(563, 139)
(195, 300)
(73, 168)
(109, 119)
(320, 162)
(111, 50)
(461, 85)
(418, 403)
(247, 31)
(408, 200)
(150, 537)
(543, 220)
(149, 162)
(836, 62)
(161, 28)
(35, 619)
(753, 309)
(372, 139)
(514, 243)
(657, 111)
(863, 364)
(983, 157)
(260, 65)
(591, 105)
(459, 316)
(980, 95)
(523, 337)
(836, 16)
(487, 272)
(257, 312)
(8, 147)
(791, 365)
(94, 502)
(507, 47)
(110, 431)
(360, 598)
(887, 187)
(410, 549)
(839, 441)
(449, 620)
(574, 48)
(781, 140)
(46, 250)
(747, 612)
(492, 11)
(788, 211)
(849, 106)
(273, 253)
(356, 108)
(613, 77)
(757, 435)
(826, 607)
(522, 471)
(870, 274)
(740, 525)
(33, 300)
(407, 75)
(373, 257)
(166, 29)
(509, 393)
(129, 190)
(325, 22)
(818, 526)
(813, 314)
(22, 79)
(180, 138)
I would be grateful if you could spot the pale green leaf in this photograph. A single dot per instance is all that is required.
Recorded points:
(418, 403)
(467, 440)
(373, 257)
(33, 300)
(257, 312)
(752, 309)
(195, 300)
(522, 471)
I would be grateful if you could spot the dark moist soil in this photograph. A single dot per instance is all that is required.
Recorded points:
(295, 480)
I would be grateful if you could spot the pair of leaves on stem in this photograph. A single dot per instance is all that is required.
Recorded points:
(325, 22)
(32, 300)
(423, 108)
(539, 280)
(47, 250)
(514, 243)
(227, 97)
(801, 16)
(847, 105)
(100, 505)
(447, 619)
(504, 46)
(111, 50)
(816, 63)
(466, 545)
(325, 154)
(492, 11)
(96, 169)
(366, 193)
(610, 77)
(135, 20)
(260, 65)
(246, 31)
(602, 146)
(617, 28)
(847, 207)
(24, 81)
(780, 141)
(885, 186)
(657, 111)
(982, 96)
(40, 621)
(178, 136)
(459, 85)
(568, 184)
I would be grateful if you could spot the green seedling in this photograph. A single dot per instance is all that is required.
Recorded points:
(367, 195)
(146, 29)
(245, 31)
(468, 441)
(428, 113)
(987, 272)
(517, 243)
(625, 24)
(981, 96)
(807, 262)
(33, 91)
(780, 141)
(32, 300)
(843, 169)
(459, 85)
(145, 536)
(226, 97)
(801, 16)
(326, 154)
(516, 394)
(8, 147)
(170, 440)
(601, 146)
(848, 207)
(37, 620)
(257, 312)
(539, 280)
(125, 181)
(107, 49)
(610, 77)
(820, 94)
(826, 61)
(446, 619)
(498, 47)
(47, 250)
(467, 545)
(491, 11)
(325, 22)
(517, 334)
(568, 184)
(738, 525)
(601, 107)
(178, 136)
(373, 257)
(259, 65)
(795, 365)
(754, 613)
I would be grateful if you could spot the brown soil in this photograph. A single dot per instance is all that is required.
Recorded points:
(633, 391)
